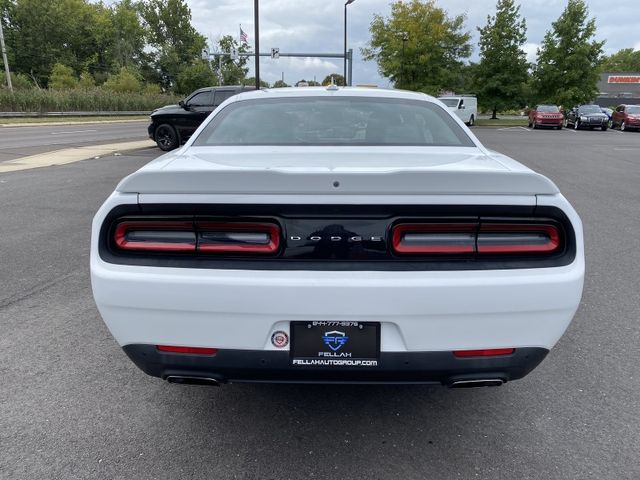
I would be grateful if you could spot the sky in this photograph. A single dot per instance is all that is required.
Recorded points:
(316, 26)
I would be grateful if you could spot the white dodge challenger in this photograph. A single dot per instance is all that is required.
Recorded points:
(336, 235)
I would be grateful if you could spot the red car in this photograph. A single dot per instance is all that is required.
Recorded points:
(545, 116)
(627, 117)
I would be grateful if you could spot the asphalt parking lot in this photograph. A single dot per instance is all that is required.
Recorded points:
(73, 406)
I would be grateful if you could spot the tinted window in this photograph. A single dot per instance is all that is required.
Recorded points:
(222, 95)
(547, 109)
(635, 110)
(202, 98)
(334, 121)
(590, 109)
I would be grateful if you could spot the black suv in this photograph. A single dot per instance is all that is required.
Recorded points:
(174, 124)
(587, 116)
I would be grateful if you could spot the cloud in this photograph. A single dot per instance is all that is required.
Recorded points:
(317, 26)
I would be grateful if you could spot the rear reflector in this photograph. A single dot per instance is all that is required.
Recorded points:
(188, 350)
(206, 237)
(434, 238)
(506, 238)
(494, 352)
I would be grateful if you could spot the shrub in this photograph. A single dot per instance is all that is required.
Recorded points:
(19, 81)
(86, 80)
(62, 77)
(128, 80)
(81, 100)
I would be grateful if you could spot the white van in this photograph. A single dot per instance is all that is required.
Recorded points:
(465, 107)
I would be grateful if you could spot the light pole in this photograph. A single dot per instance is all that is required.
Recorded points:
(4, 57)
(348, 2)
(405, 39)
(256, 31)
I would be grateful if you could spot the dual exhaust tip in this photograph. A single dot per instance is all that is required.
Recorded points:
(214, 382)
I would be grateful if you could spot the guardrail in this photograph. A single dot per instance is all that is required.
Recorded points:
(69, 114)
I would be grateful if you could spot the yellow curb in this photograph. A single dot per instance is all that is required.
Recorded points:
(71, 155)
(65, 124)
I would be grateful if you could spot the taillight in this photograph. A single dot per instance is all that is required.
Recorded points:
(187, 350)
(475, 238)
(156, 236)
(488, 352)
(434, 238)
(238, 237)
(506, 238)
(198, 236)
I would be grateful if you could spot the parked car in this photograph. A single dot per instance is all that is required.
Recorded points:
(464, 107)
(172, 125)
(586, 116)
(275, 247)
(626, 117)
(546, 116)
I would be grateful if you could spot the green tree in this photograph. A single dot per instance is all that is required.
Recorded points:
(337, 79)
(252, 81)
(56, 31)
(62, 77)
(197, 75)
(568, 59)
(233, 72)
(419, 47)
(279, 84)
(19, 81)
(626, 60)
(175, 42)
(503, 69)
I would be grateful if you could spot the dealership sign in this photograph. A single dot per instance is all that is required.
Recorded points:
(624, 79)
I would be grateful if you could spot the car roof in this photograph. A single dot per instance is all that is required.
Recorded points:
(332, 91)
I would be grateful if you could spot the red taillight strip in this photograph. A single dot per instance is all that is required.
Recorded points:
(488, 352)
(510, 244)
(188, 350)
(120, 236)
(461, 238)
(271, 229)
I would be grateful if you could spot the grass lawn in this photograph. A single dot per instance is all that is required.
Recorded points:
(507, 122)
(54, 120)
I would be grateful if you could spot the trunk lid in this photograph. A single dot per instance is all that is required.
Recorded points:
(336, 170)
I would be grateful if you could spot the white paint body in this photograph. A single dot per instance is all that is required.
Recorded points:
(418, 311)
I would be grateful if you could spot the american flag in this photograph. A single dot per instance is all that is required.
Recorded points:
(243, 36)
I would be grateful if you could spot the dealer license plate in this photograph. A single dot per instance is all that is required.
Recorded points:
(335, 344)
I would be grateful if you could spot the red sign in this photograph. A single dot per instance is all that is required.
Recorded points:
(624, 79)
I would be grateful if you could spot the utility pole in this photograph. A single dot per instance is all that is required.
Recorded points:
(4, 57)
(256, 32)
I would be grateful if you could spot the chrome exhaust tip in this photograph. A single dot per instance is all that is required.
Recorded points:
(183, 380)
(484, 382)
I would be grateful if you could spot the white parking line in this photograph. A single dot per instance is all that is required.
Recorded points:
(514, 128)
(73, 131)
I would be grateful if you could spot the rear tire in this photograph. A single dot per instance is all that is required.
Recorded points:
(623, 127)
(576, 125)
(472, 121)
(166, 137)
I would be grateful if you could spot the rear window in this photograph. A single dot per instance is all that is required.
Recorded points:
(548, 109)
(340, 121)
(450, 102)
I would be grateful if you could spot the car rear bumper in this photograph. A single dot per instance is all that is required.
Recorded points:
(441, 368)
(151, 130)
